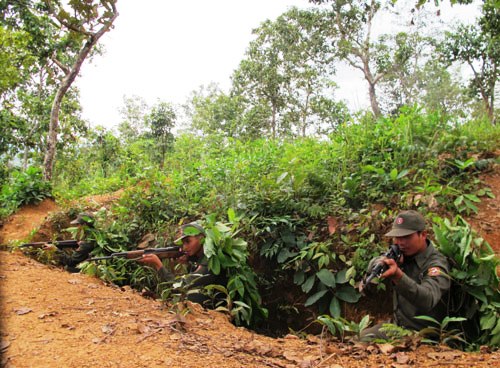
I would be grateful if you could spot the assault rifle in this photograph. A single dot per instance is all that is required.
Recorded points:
(61, 244)
(393, 253)
(168, 252)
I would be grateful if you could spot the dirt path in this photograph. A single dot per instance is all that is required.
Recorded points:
(53, 318)
(27, 219)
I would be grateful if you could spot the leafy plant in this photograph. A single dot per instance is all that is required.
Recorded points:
(394, 333)
(24, 187)
(339, 326)
(227, 253)
(474, 295)
(439, 333)
(311, 266)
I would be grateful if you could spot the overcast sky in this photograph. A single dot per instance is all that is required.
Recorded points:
(161, 49)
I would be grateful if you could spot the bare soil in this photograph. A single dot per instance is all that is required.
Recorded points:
(51, 318)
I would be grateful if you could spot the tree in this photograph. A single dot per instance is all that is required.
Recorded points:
(285, 74)
(422, 79)
(63, 35)
(81, 28)
(26, 104)
(16, 60)
(212, 111)
(478, 46)
(133, 115)
(161, 120)
(351, 30)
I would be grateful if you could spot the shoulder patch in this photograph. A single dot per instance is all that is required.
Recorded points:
(434, 271)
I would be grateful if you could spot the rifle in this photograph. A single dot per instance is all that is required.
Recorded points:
(168, 252)
(393, 253)
(61, 244)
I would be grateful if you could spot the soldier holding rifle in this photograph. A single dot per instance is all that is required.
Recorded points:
(192, 237)
(70, 261)
(419, 277)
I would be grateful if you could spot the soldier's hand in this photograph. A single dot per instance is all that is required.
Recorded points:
(394, 273)
(184, 259)
(151, 260)
(49, 247)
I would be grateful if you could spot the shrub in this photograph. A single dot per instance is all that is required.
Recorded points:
(24, 187)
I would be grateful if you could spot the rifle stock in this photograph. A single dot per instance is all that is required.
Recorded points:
(58, 243)
(168, 252)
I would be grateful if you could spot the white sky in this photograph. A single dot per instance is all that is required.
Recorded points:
(165, 49)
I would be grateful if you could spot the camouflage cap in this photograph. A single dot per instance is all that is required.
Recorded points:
(406, 223)
(191, 229)
(84, 218)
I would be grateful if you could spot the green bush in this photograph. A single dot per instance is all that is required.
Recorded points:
(474, 294)
(290, 189)
(23, 187)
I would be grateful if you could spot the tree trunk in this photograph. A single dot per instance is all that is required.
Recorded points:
(373, 100)
(71, 74)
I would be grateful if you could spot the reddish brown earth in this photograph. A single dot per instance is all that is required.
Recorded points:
(51, 318)
(487, 221)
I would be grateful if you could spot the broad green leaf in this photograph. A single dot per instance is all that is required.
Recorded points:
(326, 277)
(231, 215)
(284, 254)
(298, 277)
(209, 248)
(314, 298)
(488, 321)
(496, 330)
(347, 294)
(341, 276)
(472, 197)
(403, 173)
(281, 177)
(327, 321)
(478, 294)
(334, 307)
(429, 319)
(307, 286)
(214, 265)
(364, 323)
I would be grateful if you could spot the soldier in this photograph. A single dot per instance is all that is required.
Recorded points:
(70, 261)
(192, 238)
(419, 279)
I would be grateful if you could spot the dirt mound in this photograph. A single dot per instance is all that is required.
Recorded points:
(27, 219)
(54, 318)
(487, 221)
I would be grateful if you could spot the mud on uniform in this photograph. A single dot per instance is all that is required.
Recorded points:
(195, 281)
(422, 291)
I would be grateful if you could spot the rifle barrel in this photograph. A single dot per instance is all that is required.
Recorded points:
(168, 252)
(58, 243)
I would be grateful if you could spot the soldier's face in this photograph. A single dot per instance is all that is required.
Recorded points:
(192, 245)
(412, 244)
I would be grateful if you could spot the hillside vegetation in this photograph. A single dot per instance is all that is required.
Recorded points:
(312, 212)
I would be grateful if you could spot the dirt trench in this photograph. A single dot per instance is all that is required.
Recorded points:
(51, 318)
